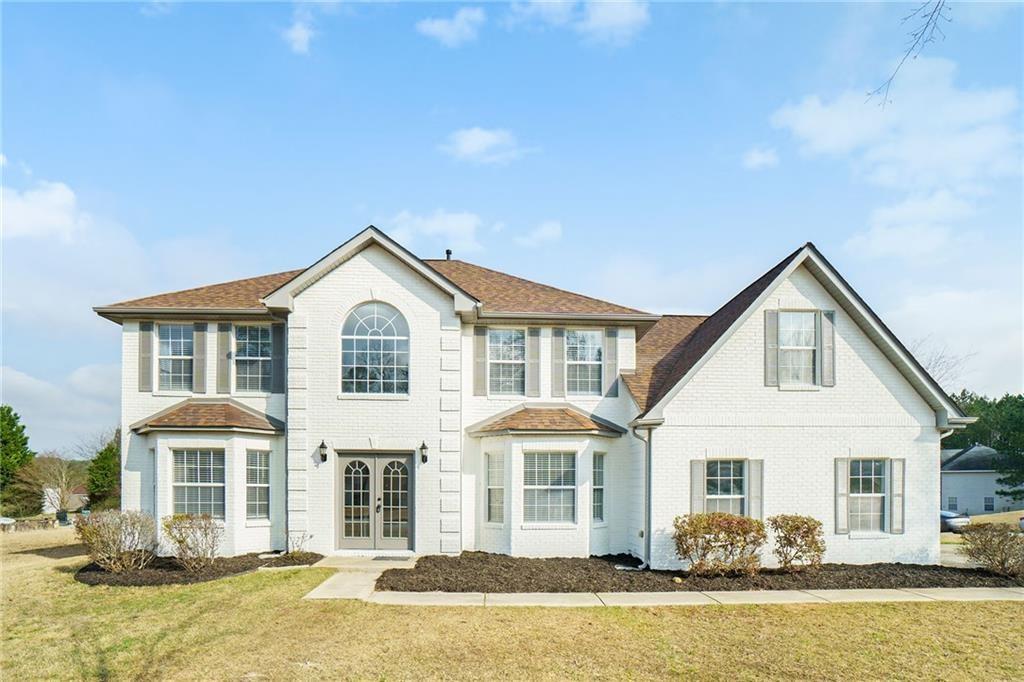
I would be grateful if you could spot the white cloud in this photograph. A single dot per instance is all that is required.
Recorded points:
(546, 232)
(544, 12)
(462, 28)
(483, 145)
(157, 8)
(49, 209)
(934, 134)
(613, 23)
(608, 22)
(918, 228)
(299, 34)
(59, 415)
(757, 158)
(457, 231)
(3, 160)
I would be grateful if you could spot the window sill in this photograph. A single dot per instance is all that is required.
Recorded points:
(174, 394)
(862, 535)
(492, 524)
(506, 396)
(599, 524)
(257, 523)
(798, 387)
(549, 526)
(373, 396)
(252, 394)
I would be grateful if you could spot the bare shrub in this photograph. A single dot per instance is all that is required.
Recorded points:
(799, 541)
(719, 544)
(997, 547)
(195, 538)
(118, 541)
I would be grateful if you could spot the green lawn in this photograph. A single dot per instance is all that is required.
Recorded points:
(256, 626)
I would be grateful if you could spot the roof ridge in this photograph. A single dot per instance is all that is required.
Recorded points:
(530, 281)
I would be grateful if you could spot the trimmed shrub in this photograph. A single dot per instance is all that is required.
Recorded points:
(118, 541)
(195, 538)
(799, 541)
(719, 544)
(997, 547)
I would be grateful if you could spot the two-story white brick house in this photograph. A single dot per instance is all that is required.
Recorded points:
(376, 402)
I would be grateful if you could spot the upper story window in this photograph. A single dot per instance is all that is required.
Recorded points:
(175, 357)
(583, 356)
(375, 350)
(252, 358)
(506, 365)
(797, 348)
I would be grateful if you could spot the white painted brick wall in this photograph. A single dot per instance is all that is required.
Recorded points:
(872, 411)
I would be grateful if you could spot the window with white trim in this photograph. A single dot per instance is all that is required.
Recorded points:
(725, 486)
(174, 360)
(990, 504)
(506, 361)
(199, 482)
(598, 487)
(549, 487)
(951, 504)
(583, 350)
(252, 358)
(495, 488)
(257, 484)
(375, 350)
(867, 495)
(797, 348)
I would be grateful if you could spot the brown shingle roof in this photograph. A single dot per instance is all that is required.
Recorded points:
(504, 293)
(657, 351)
(693, 346)
(240, 294)
(213, 414)
(546, 419)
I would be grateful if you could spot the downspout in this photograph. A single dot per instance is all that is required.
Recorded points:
(647, 493)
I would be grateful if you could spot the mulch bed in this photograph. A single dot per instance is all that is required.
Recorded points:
(167, 571)
(483, 572)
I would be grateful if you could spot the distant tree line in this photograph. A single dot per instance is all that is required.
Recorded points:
(1000, 426)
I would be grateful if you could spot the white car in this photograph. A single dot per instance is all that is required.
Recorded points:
(953, 522)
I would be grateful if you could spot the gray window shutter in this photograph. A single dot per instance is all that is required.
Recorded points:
(755, 488)
(277, 355)
(771, 348)
(897, 475)
(146, 356)
(828, 348)
(533, 362)
(558, 362)
(697, 486)
(610, 364)
(479, 360)
(842, 496)
(199, 357)
(224, 357)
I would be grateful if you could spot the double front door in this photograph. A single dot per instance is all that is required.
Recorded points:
(375, 492)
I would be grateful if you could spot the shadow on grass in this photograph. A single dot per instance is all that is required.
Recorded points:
(58, 552)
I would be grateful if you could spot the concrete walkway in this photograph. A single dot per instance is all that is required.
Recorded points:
(356, 578)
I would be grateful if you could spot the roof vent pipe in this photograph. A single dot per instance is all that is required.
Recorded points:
(447, 254)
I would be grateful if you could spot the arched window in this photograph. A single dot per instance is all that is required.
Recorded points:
(375, 350)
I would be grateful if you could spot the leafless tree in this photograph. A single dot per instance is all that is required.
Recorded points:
(88, 446)
(945, 366)
(53, 478)
(927, 19)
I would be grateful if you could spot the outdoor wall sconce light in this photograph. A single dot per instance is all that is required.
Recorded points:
(323, 451)
(423, 452)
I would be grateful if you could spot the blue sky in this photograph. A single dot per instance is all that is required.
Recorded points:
(658, 155)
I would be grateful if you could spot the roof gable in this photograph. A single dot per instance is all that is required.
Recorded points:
(698, 347)
(544, 418)
(282, 297)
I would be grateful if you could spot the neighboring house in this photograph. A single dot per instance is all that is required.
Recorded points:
(375, 402)
(969, 482)
(78, 498)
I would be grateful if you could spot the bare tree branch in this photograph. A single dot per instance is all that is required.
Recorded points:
(944, 366)
(52, 478)
(930, 14)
